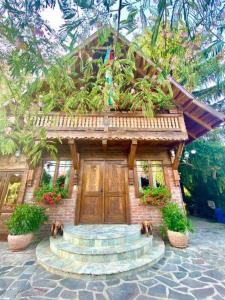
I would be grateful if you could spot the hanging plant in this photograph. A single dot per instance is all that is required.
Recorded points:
(156, 196)
(47, 194)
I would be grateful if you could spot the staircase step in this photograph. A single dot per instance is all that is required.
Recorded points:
(131, 250)
(101, 235)
(98, 270)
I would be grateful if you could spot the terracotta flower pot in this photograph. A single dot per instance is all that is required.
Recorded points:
(177, 239)
(19, 242)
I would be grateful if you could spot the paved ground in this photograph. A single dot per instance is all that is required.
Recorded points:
(197, 272)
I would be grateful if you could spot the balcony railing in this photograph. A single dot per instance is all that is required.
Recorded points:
(56, 121)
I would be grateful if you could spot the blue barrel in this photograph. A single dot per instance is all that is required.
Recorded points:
(220, 217)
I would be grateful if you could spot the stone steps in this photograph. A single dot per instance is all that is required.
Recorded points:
(101, 235)
(76, 269)
(100, 251)
(130, 250)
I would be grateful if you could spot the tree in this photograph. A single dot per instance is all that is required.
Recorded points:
(197, 64)
(203, 174)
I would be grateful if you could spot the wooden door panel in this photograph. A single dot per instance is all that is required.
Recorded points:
(103, 192)
(92, 177)
(91, 210)
(115, 192)
(115, 209)
(115, 182)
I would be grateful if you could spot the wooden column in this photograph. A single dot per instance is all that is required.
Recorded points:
(30, 177)
(132, 154)
(178, 156)
(74, 153)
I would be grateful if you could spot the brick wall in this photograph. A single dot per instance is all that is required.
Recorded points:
(64, 211)
(139, 212)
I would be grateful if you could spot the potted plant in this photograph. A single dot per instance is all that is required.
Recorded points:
(24, 221)
(176, 224)
(156, 196)
(48, 194)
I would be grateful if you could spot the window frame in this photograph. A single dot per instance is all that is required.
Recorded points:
(70, 185)
(4, 208)
(138, 194)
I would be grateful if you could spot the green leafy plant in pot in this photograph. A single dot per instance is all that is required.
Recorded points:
(176, 224)
(24, 221)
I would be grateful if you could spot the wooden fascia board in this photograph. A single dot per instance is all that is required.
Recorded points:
(205, 107)
(197, 120)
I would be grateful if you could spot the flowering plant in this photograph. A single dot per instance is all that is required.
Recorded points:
(156, 196)
(49, 194)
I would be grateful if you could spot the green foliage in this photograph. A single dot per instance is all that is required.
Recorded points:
(34, 152)
(156, 196)
(203, 174)
(46, 189)
(175, 219)
(197, 64)
(197, 16)
(25, 219)
(88, 91)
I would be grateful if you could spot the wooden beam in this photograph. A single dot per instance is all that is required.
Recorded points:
(178, 154)
(197, 120)
(104, 145)
(132, 154)
(74, 153)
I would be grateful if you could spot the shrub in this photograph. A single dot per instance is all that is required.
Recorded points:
(175, 219)
(156, 196)
(25, 219)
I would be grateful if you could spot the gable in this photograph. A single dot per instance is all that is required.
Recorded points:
(199, 117)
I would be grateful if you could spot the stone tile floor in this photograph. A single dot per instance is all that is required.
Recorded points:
(197, 272)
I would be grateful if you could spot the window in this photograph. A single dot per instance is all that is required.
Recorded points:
(56, 172)
(149, 174)
(10, 184)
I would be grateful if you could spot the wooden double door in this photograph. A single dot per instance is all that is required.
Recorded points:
(103, 195)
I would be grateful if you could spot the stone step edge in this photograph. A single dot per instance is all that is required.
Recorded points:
(99, 237)
(101, 250)
(158, 247)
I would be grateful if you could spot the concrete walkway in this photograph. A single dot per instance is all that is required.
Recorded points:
(197, 272)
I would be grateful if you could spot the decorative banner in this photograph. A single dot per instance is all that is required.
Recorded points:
(109, 55)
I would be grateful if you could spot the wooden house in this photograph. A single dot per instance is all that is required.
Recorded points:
(109, 157)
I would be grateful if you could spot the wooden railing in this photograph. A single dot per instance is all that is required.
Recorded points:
(55, 121)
